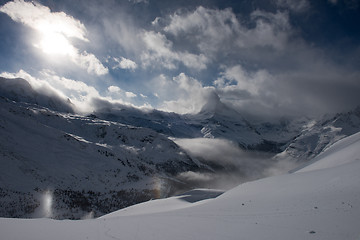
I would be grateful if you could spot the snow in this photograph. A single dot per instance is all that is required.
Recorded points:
(344, 150)
(80, 158)
(181, 201)
(320, 201)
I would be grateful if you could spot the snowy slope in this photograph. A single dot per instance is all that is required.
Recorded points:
(320, 201)
(87, 164)
(317, 135)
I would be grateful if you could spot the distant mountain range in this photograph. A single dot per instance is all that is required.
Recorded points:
(118, 155)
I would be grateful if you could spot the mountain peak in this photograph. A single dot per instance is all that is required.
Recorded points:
(215, 107)
(20, 90)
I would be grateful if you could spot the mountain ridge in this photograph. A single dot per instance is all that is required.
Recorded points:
(310, 203)
(130, 155)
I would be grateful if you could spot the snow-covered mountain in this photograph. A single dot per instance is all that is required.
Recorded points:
(88, 164)
(317, 135)
(319, 201)
(20, 90)
(218, 121)
(119, 155)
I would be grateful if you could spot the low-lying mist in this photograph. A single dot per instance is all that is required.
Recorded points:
(230, 165)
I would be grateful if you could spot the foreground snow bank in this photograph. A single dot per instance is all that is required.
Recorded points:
(320, 201)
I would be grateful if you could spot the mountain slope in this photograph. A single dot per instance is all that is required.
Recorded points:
(317, 135)
(88, 164)
(320, 201)
(214, 121)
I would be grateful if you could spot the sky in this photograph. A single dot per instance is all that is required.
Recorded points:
(262, 58)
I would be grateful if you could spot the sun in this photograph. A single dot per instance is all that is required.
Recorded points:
(55, 43)
(53, 38)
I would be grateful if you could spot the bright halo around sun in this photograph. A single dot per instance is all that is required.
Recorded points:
(56, 43)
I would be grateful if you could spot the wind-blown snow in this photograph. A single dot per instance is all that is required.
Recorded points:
(321, 201)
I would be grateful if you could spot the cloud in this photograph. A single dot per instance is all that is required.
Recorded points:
(121, 31)
(266, 68)
(294, 5)
(40, 18)
(89, 62)
(130, 94)
(37, 84)
(159, 53)
(182, 94)
(55, 29)
(114, 89)
(315, 87)
(139, 1)
(210, 25)
(219, 151)
(186, 58)
(118, 93)
(272, 29)
(233, 165)
(195, 176)
(79, 93)
(235, 78)
(84, 97)
(148, 48)
(216, 31)
(125, 63)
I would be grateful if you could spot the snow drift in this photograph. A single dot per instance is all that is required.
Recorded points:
(319, 201)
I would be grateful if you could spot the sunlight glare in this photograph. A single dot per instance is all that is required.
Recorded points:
(56, 43)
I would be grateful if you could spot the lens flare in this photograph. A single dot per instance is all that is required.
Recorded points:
(160, 188)
(47, 204)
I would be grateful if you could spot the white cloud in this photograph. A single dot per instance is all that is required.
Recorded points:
(195, 176)
(257, 92)
(118, 93)
(40, 17)
(195, 39)
(125, 63)
(236, 78)
(79, 93)
(212, 150)
(130, 94)
(114, 89)
(55, 31)
(159, 52)
(89, 62)
(216, 31)
(82, 95)
(272, 29)
(37, 84)
(238, 165)
(207, 28)
(204, 21)
(182, 94)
